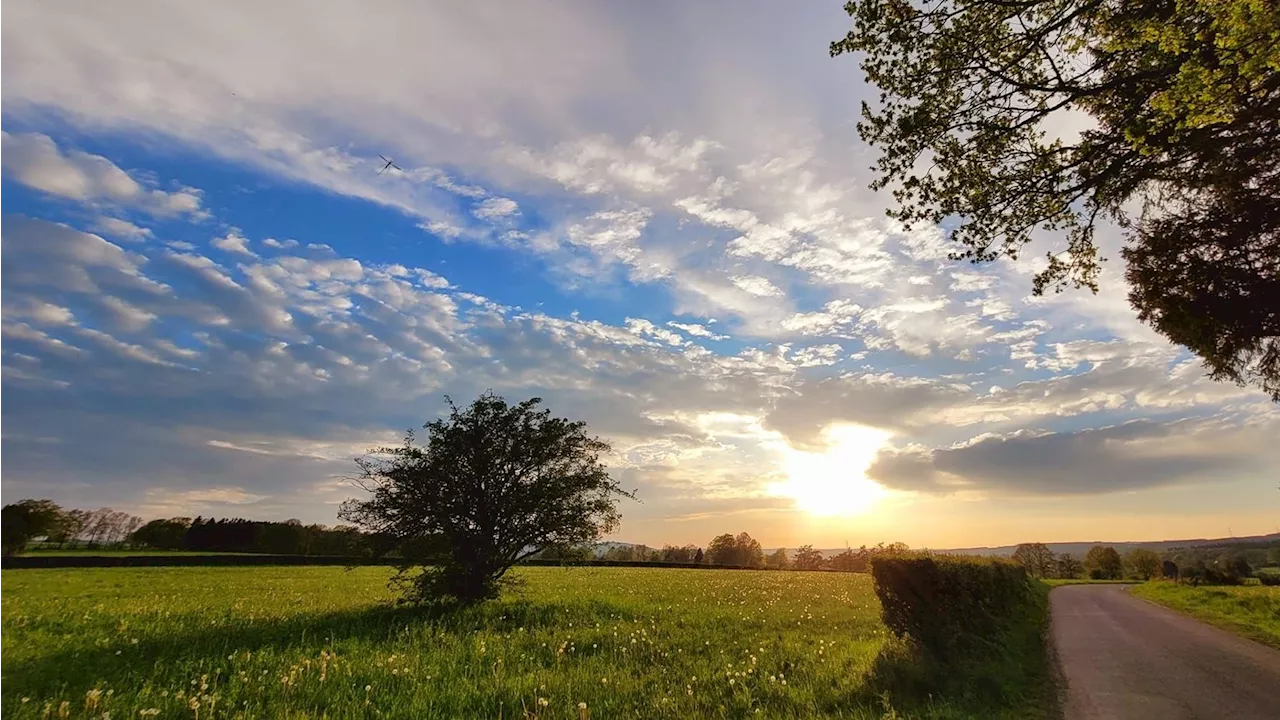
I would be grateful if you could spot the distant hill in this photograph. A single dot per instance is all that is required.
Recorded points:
(1079, 549)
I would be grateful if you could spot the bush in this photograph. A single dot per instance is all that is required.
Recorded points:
(1268, 579)
(947, 604)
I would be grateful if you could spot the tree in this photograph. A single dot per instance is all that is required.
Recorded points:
(498, 482)
(1183, 98)
(845, 561)
(1169, 570)
(1037, 558)
(807, 558)
(697, 557)
(741, 550)
(1068, 567)
(682, 554)
(168, 534)
(25, 520)
(1142, 563)
(778, 559)
(1103, 563)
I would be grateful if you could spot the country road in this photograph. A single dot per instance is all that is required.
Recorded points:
(1126, 659)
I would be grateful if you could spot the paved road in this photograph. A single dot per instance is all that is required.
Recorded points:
(1128, 659)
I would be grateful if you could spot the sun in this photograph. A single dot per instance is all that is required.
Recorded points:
(835, 482)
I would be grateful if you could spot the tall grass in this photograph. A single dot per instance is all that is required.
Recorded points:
(1251, 610)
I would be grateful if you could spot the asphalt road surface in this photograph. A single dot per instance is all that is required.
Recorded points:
(1129, 659)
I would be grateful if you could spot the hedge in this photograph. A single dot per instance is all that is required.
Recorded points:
(949, 603)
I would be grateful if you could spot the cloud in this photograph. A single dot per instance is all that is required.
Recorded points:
(233, 242)
(35, 161)
(496, 207)
(122, 229)
(1117, 458)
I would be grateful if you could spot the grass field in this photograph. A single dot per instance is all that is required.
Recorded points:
(1252, 611)
(298, 642)
(276, 642)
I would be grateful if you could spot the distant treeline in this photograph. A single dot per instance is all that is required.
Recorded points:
(741, 551)
(1229, 564)
(57, 528)
(290, 537)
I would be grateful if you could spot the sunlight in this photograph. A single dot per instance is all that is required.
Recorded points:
(834, 482)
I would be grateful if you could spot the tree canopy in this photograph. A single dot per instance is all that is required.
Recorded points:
(1017, 116)
(1037, 558)
(741, 550)
(498, 482)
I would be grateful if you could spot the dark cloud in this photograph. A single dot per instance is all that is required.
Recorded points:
(1118, 458)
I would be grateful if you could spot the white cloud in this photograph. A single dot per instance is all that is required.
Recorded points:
(35, 160)
(758, 286)
(233, 242)
(697, 330)
(496, 207)
(122, 229)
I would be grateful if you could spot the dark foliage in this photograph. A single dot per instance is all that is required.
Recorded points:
(256, 536)
(26, 520)
(498, 483)
(1037, 558)
(1103, 562)
(1169, 569)
(1184, 100)
(946, 604)
(741, 550)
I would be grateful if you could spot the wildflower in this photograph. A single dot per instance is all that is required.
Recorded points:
(582, 706)
(543, 702)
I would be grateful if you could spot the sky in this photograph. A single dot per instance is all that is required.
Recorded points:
(654, 216)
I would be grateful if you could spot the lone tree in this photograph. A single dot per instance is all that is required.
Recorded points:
(1178, 102)
(741, 550)
(498, 483)
(1037, 558)
(1103, 563)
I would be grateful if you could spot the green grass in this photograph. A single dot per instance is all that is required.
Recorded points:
(298, 642)
(1252, 611)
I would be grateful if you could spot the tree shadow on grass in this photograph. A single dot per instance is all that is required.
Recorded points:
(123, 665)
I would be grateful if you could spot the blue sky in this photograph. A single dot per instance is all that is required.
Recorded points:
(657, 220)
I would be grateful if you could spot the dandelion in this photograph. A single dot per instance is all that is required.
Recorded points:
(543, 702)
(582, 706)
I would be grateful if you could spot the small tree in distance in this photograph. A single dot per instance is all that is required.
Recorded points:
(1142, 563)
(1103, 563)
(741, 550)
(807, 558)
(498, 482)
(1037, 558)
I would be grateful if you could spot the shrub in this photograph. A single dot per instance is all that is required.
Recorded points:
(946, 604)
(1268, 579)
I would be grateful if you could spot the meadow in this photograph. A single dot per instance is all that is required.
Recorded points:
(311, 641)
(1249, 610)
